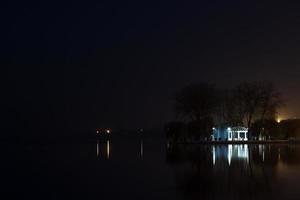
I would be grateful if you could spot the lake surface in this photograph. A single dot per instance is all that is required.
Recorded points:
(149, 169)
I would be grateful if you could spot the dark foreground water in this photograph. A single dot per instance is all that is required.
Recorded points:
(136, 169)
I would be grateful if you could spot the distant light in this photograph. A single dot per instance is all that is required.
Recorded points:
(213, 128)
(108, 131)
(229, 129)
(97, 132)
(278, 120)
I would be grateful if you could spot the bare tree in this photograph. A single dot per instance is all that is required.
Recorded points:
(202, 104)
(248, 97)
(229, 110)
(258, 100)
(271, 101)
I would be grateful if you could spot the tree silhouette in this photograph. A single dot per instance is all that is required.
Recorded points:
(257, 100)
(202, 106)
(196, 101)
(270, 102)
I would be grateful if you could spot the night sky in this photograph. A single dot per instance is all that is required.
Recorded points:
(77, 65)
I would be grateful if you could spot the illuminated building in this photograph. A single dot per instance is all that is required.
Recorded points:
(237, 133)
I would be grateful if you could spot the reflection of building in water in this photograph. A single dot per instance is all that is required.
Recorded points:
(261, 151)
(218, 171)
(230, 152)
(230, 134)
(238, 152)
(214, 154)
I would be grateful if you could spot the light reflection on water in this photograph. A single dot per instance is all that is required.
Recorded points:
(107, 149)
(236, 171)
(231, 152)
(216, 153)
(143, 169)
(104, 149)
(240, 152)
(142, 149)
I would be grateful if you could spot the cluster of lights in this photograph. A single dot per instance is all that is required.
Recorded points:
(107, 131)
(228, 129)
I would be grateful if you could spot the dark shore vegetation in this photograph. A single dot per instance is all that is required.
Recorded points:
(199, 107)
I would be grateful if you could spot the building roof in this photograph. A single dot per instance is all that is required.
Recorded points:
(238, 128)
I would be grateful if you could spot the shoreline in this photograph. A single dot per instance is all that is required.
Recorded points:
(239, 142)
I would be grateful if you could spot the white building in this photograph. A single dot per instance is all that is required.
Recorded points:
(237, 133)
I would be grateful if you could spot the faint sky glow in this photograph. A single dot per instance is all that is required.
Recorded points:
(61, 57)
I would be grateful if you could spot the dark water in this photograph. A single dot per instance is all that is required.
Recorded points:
(136, 169)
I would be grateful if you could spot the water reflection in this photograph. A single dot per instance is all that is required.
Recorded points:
(231, 171)
(239, 152)
(97, 149)
(142, 149)
(211, 171)
(105, 148)
(146, 169)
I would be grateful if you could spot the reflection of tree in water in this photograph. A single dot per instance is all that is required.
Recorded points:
(207, 172)
(290, 155)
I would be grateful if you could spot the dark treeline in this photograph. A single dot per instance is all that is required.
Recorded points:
(201, 106)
